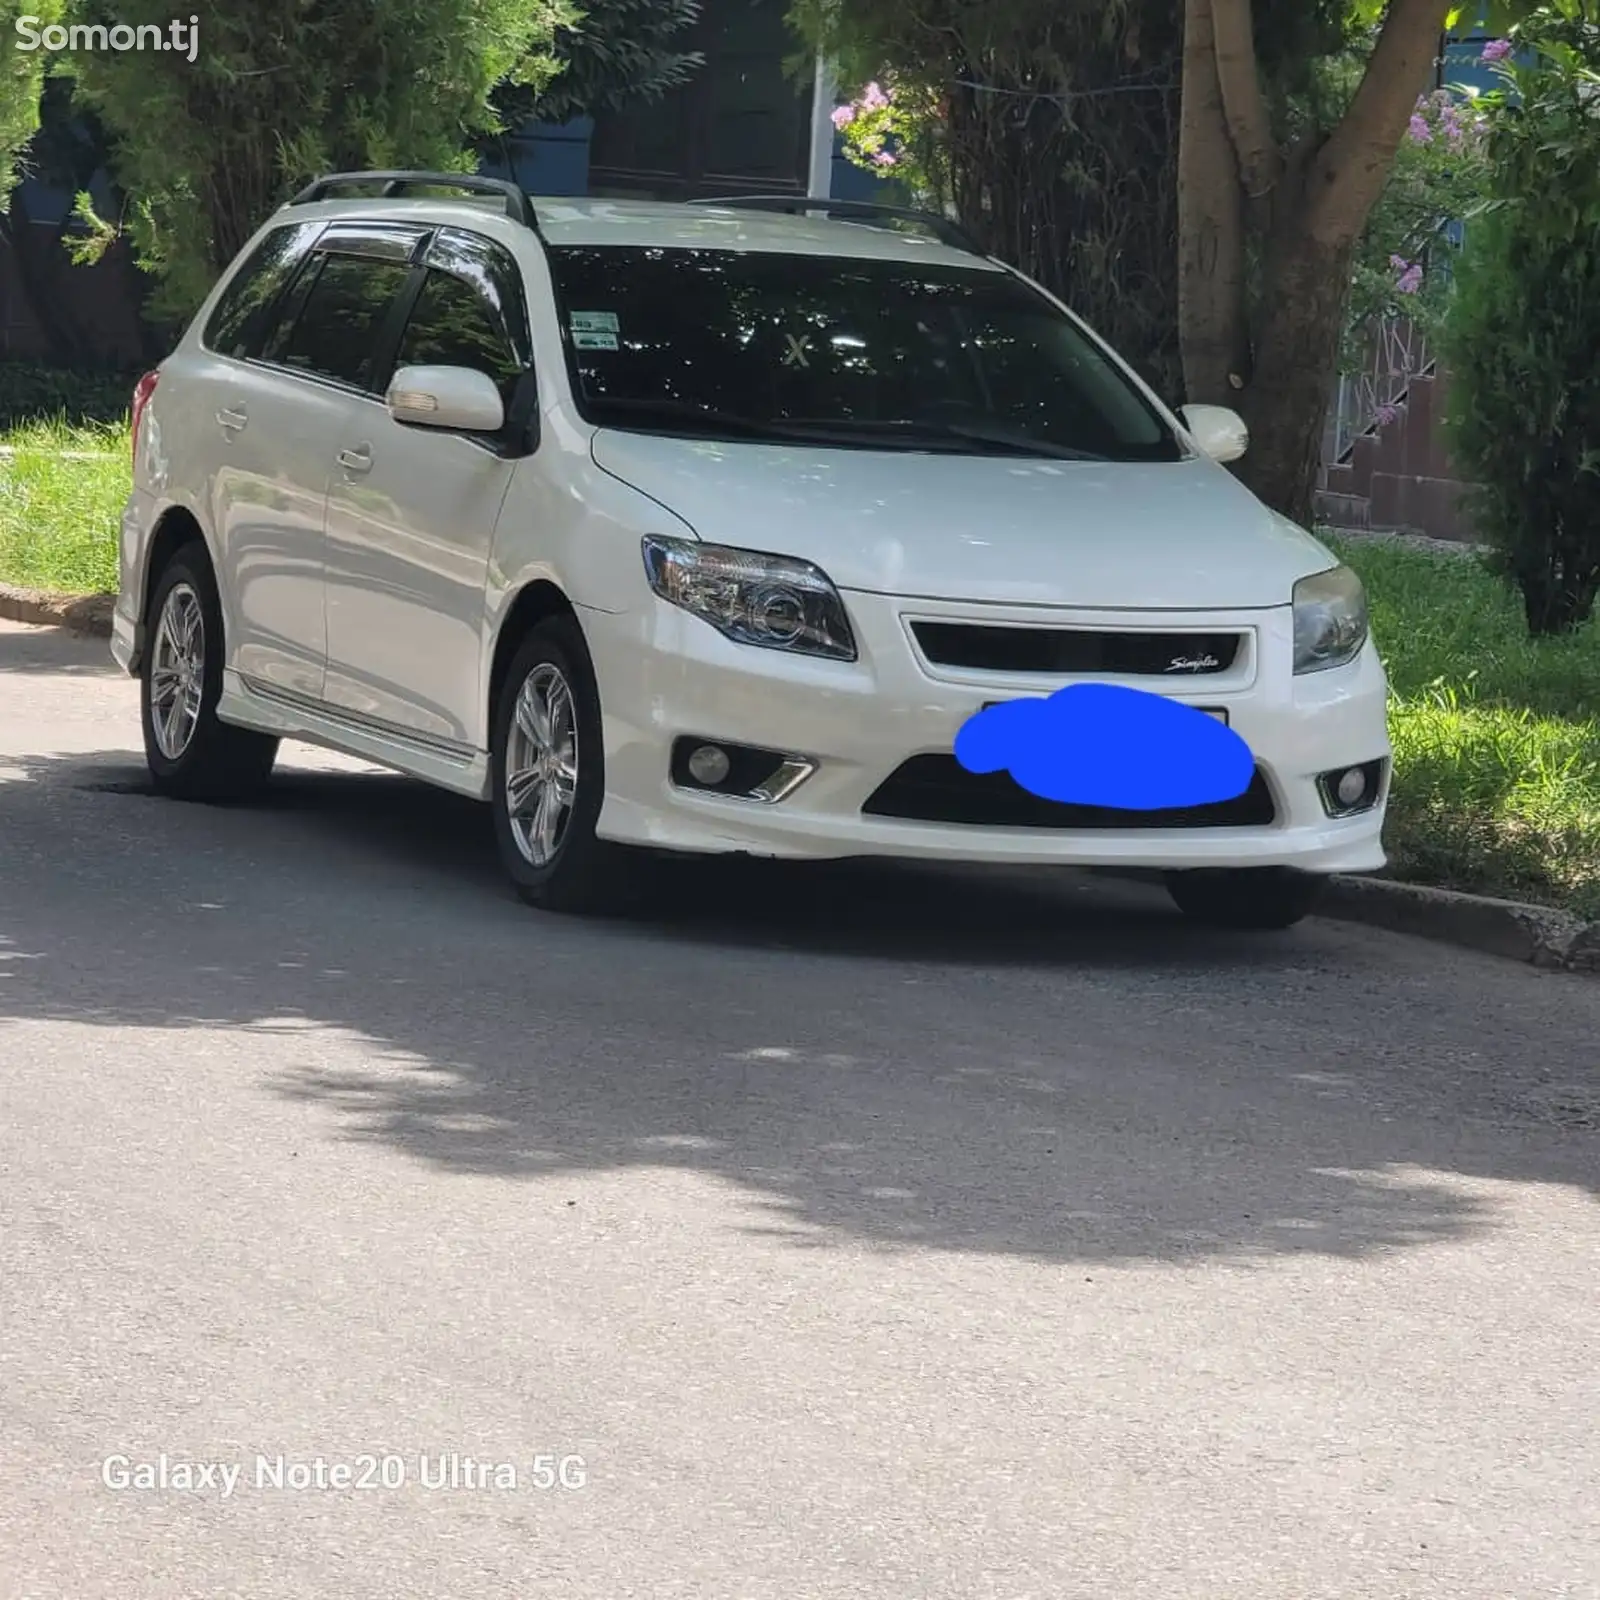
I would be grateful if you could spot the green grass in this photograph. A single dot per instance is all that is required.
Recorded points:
(58, 515)
(1496, 736)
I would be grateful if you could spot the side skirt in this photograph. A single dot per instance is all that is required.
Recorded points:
(248, 703)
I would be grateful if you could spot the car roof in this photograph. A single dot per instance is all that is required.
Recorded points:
(709, 227)
(668, 225)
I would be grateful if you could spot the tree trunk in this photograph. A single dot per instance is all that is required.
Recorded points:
(1211, 228)
(1304, 210)
(1306, 285)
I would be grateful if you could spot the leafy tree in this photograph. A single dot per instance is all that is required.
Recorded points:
(1278, 182)
(22, 75)
(1524, 327)
(898, 133)
(1403, 264)
(610, 53)
(282, 90)
(1053, 132)
(1048, 127)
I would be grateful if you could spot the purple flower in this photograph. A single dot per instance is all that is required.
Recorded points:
(1410, 280)
(1386, 415)
(1497, 50)
(874, 99)
(843, 116)
(885, 158)
(1400, 264)
(1420, 131)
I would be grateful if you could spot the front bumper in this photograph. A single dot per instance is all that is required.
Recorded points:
(664, 674)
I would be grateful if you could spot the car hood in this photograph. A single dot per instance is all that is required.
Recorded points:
(1004, 530)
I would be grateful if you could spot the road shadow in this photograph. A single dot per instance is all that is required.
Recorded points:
(863, 908)
(1044, 1066)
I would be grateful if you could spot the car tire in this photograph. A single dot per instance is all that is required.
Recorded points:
(1246, 897)
(190, 753)
(547, 777)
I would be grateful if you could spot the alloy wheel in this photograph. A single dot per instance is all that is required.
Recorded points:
(177, 672)
(541, 782)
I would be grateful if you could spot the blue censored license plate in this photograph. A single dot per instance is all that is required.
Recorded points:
(1220, 713)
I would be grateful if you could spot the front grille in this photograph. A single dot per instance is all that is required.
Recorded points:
(939, 789)
(1077, 650)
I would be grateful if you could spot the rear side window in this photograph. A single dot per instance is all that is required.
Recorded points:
(337, 331)
(239, 322)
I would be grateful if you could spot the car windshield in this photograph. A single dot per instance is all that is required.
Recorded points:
(867, 354)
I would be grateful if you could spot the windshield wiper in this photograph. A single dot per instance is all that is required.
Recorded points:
(685, 414)
(847, 431)
(996, 437)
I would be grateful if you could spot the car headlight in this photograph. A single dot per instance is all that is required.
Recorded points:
(773, 601)
(1330, 620)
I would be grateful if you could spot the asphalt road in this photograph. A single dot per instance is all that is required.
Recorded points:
(867, 1233)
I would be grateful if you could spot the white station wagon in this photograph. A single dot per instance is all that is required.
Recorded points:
(705, 528)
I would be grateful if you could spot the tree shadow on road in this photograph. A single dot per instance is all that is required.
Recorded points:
(1031, 1065)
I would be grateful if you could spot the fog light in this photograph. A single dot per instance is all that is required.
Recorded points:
(1351, 786)
(709, 765)
(1345, 791)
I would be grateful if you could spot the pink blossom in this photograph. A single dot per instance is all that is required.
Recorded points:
(1420, 131)
(885, 158)
(1497, 50)
(874, 99)
(843, 116)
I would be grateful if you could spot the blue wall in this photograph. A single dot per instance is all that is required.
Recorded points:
(547, 158)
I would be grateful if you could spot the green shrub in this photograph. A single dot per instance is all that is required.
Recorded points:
(207, 141)
(31, 393)
(1521, 334)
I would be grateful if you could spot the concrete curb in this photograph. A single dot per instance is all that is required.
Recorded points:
(1540, 936)
(1536, 935)
(82, 613)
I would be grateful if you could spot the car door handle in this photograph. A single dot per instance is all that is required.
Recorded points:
(231, 421)
(356, 460)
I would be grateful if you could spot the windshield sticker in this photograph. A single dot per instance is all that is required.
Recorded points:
(594, 322)
(795, 355)
(584, 340)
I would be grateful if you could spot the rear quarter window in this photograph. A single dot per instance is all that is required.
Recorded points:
(242, 318)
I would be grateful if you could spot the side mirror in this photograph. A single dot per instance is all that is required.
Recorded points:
(458, 398)
(1217, 431)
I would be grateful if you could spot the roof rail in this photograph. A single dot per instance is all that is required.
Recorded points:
(518, 206)
(942, 228)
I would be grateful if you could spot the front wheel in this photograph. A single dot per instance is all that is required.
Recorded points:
(192, 755)
(1246, 897)
(547, 771)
